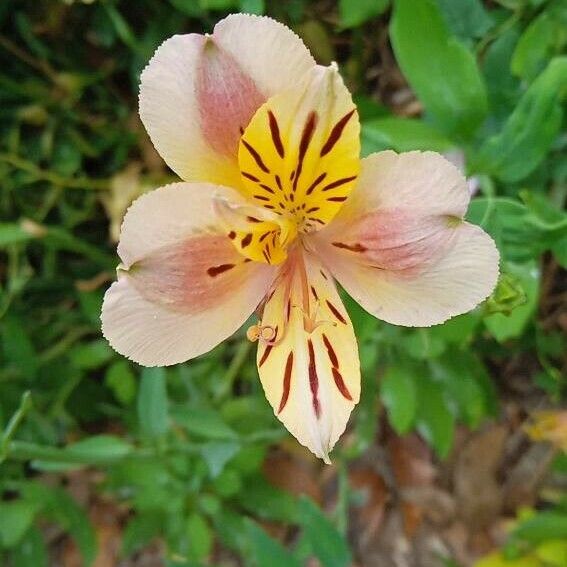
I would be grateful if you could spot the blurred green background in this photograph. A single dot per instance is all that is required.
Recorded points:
(105, 463)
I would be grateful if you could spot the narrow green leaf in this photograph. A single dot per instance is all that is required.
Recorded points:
(533, 47)
(442, 71)
(204, 422)
(200, 536)
(267, 551)
(326, 542)
(541, 527)
(398, 392)
(152, 402)
(434, 420)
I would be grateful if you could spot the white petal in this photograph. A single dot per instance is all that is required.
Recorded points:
(270, 53)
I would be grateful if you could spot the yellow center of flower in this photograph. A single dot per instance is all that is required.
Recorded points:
(299, 165)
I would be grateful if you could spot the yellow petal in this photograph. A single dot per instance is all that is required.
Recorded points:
(299, 156)
(309, 368)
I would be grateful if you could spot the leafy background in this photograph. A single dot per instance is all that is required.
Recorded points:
(105, 463)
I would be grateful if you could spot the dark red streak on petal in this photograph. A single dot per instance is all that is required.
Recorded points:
(314, 292)
(246, 240)
(312, 210)
(337, 199)
(340, 383)
(306, 137)
(279, 183)
(257, 157)
(264, 236)
(252, 219)
(338, 183)
(250, 176)
(232, 235)
(275, 132)
(315, 183)
(331, 352)
(268, 349)
(313, 379)
(351, 247)
(216, 270)
(336, 312)
(267, 188)
(286, 381)
(336, 133)
(261, 198)
(323, 274)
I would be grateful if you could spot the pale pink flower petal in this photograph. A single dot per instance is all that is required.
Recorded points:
(399, 245)
(182, 287)
(198, 92)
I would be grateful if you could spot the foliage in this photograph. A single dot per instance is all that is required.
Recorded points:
(183, 447)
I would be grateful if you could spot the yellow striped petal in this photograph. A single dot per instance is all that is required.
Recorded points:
(299, 155)
(308, 356)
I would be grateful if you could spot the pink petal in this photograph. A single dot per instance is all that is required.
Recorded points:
(183, 288)
(197, 92)
(399, 245)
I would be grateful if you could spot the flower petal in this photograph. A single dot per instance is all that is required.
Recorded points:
(182, 287)
(400, 247)
(300, 154)
(310, 368)
(198, 92)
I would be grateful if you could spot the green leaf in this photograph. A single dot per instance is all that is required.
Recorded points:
(545, 36)
(442, 71)
(328, 545)
(398, 392)
(530, 130)
(92, 355)
(204, 422)
(467, 19)
(100, 448)
(17, 518)
(121, 380)
(434, 420)
(200, 536)
(31, 551)
(456, 372)
(188, 7)
(217, 454)
(13, 233)
(542, 527)
(402, 135)
(153, 403)
(266, 501)
(355, 12)
(253, 6)
(73, 519)
(140, 530)
(267, 551)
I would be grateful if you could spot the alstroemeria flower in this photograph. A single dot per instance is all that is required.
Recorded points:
(276, 206)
